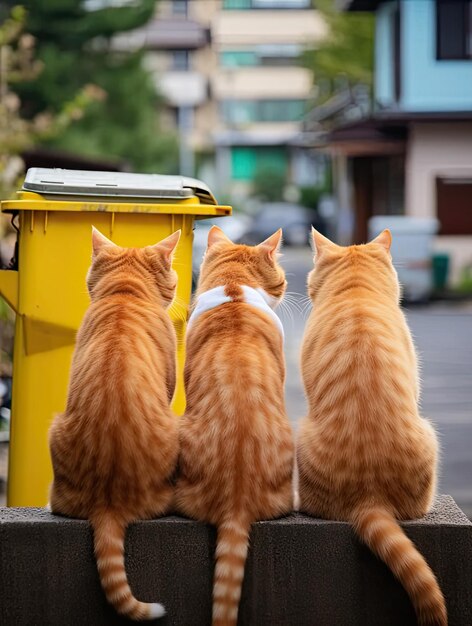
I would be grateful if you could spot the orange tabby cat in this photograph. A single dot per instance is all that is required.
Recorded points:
(236, 441)
(115, 447)
(364, 453)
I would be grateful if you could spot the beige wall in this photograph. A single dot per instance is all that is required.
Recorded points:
(439, 149)
(263, 27)
(203, 11)
(262, 82)
(199, 10)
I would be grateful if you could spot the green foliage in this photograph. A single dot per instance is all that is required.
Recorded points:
(19, 64)
(346, 55)
(268, 183)
(124, 124)
(465, 281)
(75, 49)
(310, 196)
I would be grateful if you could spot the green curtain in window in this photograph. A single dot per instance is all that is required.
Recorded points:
(246, 160)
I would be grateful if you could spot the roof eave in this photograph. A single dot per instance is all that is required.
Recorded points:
(358, 5)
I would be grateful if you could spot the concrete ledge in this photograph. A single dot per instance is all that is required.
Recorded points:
(300, 572)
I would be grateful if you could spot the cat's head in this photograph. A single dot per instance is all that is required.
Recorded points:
(333, 262)
(227, 263)
(115, 268)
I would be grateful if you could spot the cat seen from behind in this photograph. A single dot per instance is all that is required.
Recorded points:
(115, 448)
(364, 453)
(236, 442)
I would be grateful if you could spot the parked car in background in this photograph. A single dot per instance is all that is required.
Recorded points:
(234, 226)
(295, 220)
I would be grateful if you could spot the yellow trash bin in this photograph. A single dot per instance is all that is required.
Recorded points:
(56, 210)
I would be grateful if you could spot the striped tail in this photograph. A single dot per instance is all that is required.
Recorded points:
(231, 553)
(109, 539)
(385, 537)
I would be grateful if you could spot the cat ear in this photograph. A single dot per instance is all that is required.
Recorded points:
(272, 244)
(168, 245)
(320, 242)
(216, 235)
(99, 241)
(384, 239)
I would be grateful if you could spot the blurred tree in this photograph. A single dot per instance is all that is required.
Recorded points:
(269, 183)
(18, 63)
(345, 58)
(74, 45)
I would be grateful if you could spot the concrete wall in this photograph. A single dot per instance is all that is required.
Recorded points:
(440, 149)
(301, 571)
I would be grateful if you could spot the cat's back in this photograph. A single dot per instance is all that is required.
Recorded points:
(357, 330)
(123, 327)
(125, 349)
(236, 347)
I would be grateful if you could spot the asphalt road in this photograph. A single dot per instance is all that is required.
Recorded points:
(443, 337)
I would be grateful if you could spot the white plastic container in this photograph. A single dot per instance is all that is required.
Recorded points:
(412, 251)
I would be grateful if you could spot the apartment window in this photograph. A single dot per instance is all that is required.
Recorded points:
(247, 160)
(266, 4)
(454, 29)
(246, 111)
(454, 205)
(179, 7)
(270, 55)
(238, 58)
(279, 55)
(180, 60)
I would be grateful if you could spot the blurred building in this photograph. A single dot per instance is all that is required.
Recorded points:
(414, 154)
(231, 76)
(261, 89)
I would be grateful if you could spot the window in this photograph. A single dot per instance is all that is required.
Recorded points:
(180, 60)
(238, 58)
(245, 161)
(454, 29)
(454, 205)
(279, 55)
(396, 47)
(266, 4)
(246, 111)
(264, 55)
(179, 7)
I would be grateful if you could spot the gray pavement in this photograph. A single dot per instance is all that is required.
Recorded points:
(443, 337)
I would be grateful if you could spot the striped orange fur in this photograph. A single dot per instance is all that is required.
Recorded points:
(365, 455)
(236, 441)
(115, 448)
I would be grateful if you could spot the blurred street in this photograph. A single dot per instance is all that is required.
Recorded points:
(443, 337)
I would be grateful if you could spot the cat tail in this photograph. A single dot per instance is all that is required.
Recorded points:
(385, 537)
(109, 540)
(231, 552)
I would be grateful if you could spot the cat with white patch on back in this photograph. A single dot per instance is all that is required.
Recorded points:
(236, 455)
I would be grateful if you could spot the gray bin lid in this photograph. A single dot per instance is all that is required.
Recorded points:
(55, 181)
